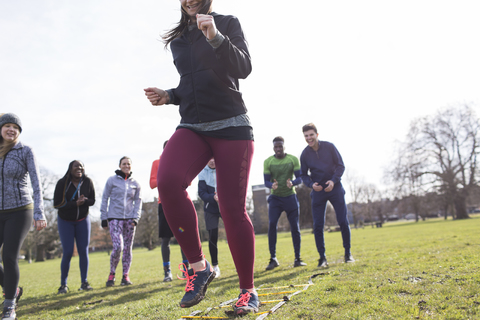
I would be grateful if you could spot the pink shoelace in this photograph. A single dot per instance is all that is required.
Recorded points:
(183, 268)
(243, 300)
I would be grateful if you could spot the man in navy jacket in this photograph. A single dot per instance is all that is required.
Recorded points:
(322, 168)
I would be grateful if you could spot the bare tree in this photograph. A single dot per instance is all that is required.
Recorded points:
(440, 153)
(147, 233)
(356, 186)
(407, 175)
(45, 244)
(371, 196)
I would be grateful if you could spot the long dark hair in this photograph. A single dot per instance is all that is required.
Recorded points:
(67, 179)
(169, 36)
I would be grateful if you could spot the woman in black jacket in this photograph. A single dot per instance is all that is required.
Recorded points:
(74, 194)
(211, 55)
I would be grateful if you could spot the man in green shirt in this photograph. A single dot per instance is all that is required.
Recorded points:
(278, 171)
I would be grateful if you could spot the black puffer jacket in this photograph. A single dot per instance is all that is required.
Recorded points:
(208, 88)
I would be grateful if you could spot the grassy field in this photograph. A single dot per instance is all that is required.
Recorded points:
(405, 270)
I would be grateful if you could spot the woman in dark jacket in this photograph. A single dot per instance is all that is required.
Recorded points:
(74, 194)
(211, 55)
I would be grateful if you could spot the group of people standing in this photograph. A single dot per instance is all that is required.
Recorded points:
(120, 212)
(214, 139)
(74, 194)
(320, 168)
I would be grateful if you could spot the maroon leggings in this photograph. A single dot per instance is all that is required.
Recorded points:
(185, 155)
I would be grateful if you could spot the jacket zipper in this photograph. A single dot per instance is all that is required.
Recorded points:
(3, 181)
(125, 200)
(78, 208)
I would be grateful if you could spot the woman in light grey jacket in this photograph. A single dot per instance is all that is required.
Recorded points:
(17, 209)
(121, 215)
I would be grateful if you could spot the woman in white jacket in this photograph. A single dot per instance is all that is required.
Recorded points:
(121, 215)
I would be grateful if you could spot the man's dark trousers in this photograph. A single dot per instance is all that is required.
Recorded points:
(276, 205)
(319, 207)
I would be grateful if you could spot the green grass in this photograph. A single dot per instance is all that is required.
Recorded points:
(405, 270)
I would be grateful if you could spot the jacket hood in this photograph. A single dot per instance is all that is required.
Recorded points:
(122, 174)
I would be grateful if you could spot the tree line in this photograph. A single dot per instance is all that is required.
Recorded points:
(434, 172)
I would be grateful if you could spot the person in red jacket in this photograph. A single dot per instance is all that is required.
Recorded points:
(164, 231)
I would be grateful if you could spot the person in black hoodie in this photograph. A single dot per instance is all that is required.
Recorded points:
(211, 54)
(73, 196)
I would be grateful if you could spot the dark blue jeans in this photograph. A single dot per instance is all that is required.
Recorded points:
(319, 207)
(276, 205)
(70, 232)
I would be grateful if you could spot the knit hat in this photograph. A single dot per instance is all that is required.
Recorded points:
(10, 118)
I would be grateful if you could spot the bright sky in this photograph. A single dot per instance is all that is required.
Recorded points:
(74, 71)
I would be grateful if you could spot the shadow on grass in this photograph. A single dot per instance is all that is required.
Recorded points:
(115, 296)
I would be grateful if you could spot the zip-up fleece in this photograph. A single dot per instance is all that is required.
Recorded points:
(125, 199)
(324, 164)
(204, 69)
(17, 164)
(70, 211)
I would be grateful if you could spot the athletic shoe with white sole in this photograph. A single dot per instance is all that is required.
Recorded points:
(126, 280)
(247, 302)
(217, 271)
(273, 264)
(197, 283)
(322, 262)
(85, 286)
(299, 263)
(349, 258)
(168, 274)
(111, 280)
(9, 313)
(63, 289)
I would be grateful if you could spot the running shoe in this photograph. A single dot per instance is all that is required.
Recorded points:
(63, 289)
(111, 280)
(247, 302)
(85, 286)
(125, 280)
(217, 271)
(18, 294)
(273, 264)
(299, 263)
(9, 313)
(349, 258)
(322, 262)
(197, 283)
(168, 274)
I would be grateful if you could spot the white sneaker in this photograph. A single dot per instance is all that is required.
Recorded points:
(217, 271)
